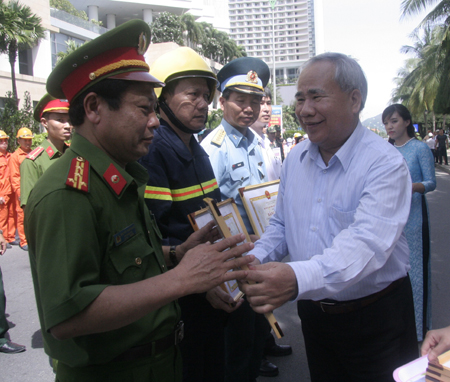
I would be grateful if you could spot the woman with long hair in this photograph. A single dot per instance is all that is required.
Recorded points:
(398, 122)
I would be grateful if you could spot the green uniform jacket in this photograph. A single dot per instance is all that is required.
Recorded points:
(83, 240)
(34, 165)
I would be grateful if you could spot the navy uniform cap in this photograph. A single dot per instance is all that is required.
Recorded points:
(248, 75)
(117, 54)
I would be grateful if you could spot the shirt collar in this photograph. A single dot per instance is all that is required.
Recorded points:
(236, 137)
(172, 138)
(344, 154)
(101, 163)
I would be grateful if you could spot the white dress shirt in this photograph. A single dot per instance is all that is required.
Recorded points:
(342, 224)
(272, 162)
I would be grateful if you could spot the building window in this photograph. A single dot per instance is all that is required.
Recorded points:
(26, 62)
(58, 42)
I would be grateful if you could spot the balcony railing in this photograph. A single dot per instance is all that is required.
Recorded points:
(74, 20)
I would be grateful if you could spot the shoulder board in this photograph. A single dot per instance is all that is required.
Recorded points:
(78, 176)
(219, 137)
(35, 153)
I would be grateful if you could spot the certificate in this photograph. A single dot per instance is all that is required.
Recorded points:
(259, 203)
(235, 224)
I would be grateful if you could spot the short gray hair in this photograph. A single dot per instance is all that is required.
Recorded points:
(348, 75)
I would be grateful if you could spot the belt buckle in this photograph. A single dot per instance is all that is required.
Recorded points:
(326, 304)
(179, 332)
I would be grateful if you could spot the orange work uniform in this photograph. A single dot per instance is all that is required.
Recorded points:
(6, 221)
(14, 168)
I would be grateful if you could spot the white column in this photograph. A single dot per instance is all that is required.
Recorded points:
(110, 21)
(93, 12)
(148, 15)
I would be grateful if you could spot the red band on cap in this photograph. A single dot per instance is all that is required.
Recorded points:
(124, 57)
(56, 105)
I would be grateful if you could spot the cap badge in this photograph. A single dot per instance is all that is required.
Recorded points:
(252, 77)
(142, 44)
(92, 76)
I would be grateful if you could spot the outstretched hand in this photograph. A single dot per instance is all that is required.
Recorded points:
(206, 266)
(435, 343)
(274, 284)
(208, 233)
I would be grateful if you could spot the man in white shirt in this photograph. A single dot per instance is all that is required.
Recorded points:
(349, 255)
(271, 159)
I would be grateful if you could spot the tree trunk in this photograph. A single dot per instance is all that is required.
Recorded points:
(12, 51)
(444, 117)
(425, 113)
(434, 120)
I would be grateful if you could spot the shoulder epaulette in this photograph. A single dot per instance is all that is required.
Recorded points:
(78, 176)
(219, 137)
(35, 153)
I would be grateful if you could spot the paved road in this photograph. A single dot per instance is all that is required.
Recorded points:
(33, 366)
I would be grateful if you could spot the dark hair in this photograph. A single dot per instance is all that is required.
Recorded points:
(110, 90)
(267, 93)
(402, 112)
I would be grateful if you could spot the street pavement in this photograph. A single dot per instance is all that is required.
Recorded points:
(33, 365)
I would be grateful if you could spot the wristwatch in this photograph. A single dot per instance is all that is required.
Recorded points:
(173, 255)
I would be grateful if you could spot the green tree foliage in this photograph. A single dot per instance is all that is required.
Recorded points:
(290, 121)
(11, 119)
(214, 118)
(67, 6)
(439, 17)
(202, 37)
(167, 28)
(71, 47)
(20, 29)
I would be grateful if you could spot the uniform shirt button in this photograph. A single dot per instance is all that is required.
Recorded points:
(138, 261)
(163, 266)
(319, 200)
(314, 229)
(324, 171)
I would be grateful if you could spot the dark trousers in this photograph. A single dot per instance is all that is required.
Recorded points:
(442, 152)
(203, 346)
(3, 323)
(365, 345)
(245, 336)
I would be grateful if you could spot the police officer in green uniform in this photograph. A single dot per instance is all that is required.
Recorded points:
(53, 114)
(105, 298)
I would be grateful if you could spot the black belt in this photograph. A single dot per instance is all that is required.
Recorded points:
(154, 347)
(338, 307)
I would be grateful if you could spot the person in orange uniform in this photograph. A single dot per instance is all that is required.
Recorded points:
(24, 139)
(5, 189)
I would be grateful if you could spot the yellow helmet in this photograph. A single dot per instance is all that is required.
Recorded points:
(183, 62)
(3, 135)
(24, 132)
(296, 135)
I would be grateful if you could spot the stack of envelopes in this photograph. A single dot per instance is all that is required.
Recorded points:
(441, 372)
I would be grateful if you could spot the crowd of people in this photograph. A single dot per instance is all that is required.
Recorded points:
(126, 290)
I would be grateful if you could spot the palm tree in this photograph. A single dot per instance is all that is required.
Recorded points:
(19, 29)
(419, 82)
(71, 47)
(193, 30)
(439, 13)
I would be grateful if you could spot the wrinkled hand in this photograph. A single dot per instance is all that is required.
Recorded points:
(208, 233)
(275, 284)
(435, 343)
(206, 266)
(219, 299)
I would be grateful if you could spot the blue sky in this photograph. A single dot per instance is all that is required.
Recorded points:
(372, 32)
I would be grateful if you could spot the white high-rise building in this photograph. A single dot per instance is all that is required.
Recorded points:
(253, 24)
